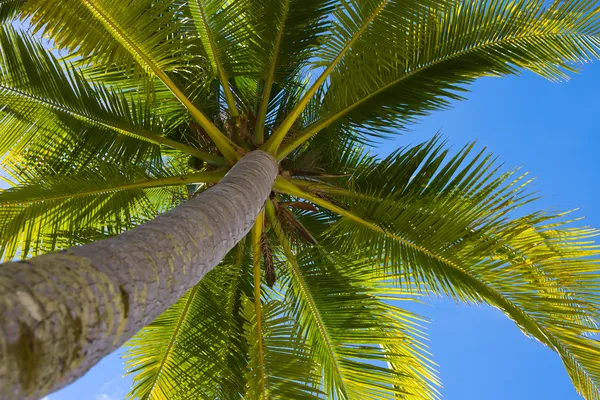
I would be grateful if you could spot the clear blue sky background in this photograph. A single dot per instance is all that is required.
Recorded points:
(552, 131)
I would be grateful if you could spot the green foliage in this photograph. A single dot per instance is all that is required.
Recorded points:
(54, 207)
(197, 348)
(96, 137)
(146, 34)
(49, 107)
(367, 348)
(8, 9)
(401, 74)
(454, 227)
(225, 34)
(289, 371)
(302, 25)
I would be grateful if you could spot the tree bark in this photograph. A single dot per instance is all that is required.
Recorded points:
(60, 313)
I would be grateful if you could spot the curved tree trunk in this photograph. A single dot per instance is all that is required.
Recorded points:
(60, 313)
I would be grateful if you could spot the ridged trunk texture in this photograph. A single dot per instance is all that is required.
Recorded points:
(60, 313)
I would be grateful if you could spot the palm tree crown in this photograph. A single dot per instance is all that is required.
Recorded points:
(141, 105)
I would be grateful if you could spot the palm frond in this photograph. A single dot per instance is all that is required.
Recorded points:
(9, 9)
(300, 25)
(144, 34)
(352, 21)
(289, 370)
(445, 227)
(223, 32)
(425, 64)
(53, 208)
(196, 348)
(110, 32)
(44, 101)
(354, 336)
(48, 103)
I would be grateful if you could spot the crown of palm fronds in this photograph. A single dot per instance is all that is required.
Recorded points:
(143, 104)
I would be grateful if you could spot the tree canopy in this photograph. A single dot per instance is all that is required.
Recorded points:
(114, 111)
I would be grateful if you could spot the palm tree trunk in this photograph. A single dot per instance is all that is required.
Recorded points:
(60, 313)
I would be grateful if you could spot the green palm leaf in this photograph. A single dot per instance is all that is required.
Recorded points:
(409, 76)
(289, 370)
(9, 9)
(35, 87)
(350, 330)
(353, 21)
(188, 351)
(53, 206)
(224, 35)
(445, 228)
(41, 99)
(144, 34)
(288, 48)
(136, 31)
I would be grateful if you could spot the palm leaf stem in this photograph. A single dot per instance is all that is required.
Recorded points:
(197, 6)
(257, 232)
(259, 130)
(239, 259)
(199, 177)
(307, 133)
(230, 150)
(305, 292)
(272, 145)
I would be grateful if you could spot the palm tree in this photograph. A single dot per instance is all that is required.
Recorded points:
(149, 137)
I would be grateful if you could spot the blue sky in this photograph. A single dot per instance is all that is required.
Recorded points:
(552, 131)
